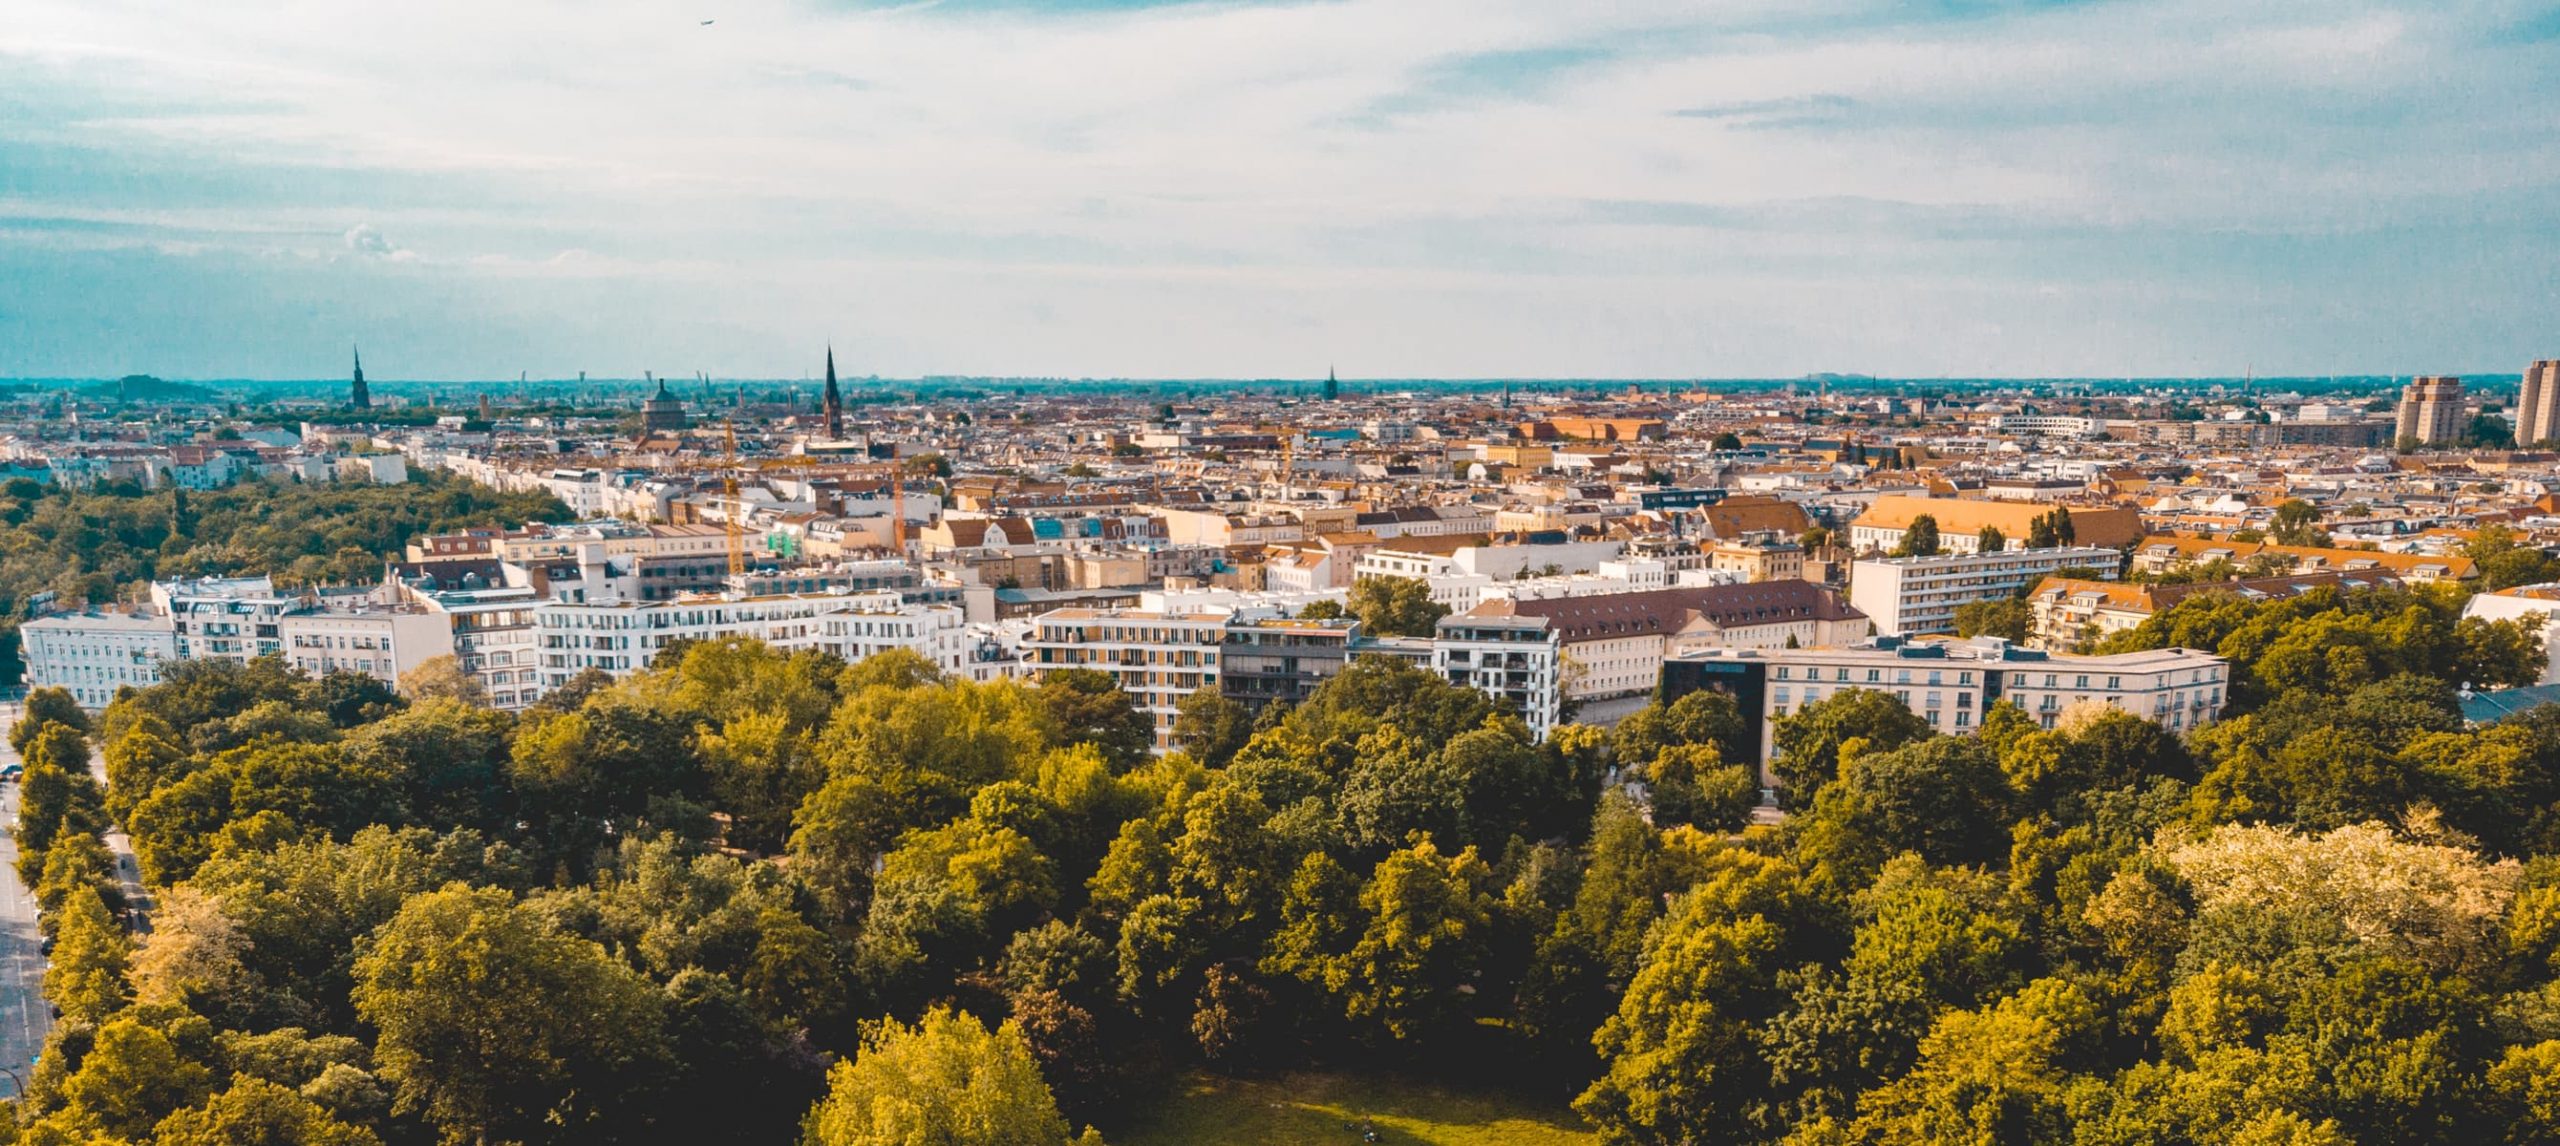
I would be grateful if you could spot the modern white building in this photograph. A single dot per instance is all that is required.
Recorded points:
(380, 641)
(1511, 658)
(1912, 595)
(1952, 683)
(623, 637)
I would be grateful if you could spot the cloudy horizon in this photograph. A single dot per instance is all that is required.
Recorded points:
(1405, 188)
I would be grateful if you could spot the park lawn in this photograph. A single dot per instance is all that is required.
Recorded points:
(1312, 1110)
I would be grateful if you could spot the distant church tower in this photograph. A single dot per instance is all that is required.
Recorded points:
(1332, 386)
(833, 404)
(356, 395)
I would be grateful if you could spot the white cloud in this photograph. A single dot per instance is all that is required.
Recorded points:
(1084, 165)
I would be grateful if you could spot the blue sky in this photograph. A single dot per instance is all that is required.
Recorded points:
(1090, 188)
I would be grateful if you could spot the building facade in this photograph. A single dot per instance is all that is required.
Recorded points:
(2431, 411)
(1909, 595)
(1951, 684)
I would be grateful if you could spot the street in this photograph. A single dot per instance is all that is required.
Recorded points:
(24, 1015)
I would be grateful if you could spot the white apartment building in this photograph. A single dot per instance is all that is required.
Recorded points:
(1516, 659)
(233, 617)
(241, 619)
(377, 640)
(94, 654)
(1952, 683)
(1911, 595)
(1158, 657)
(623, 637)
(495, 639)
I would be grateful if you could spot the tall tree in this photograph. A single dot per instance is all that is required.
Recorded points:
(947, 1079)
(1396, 606)
(1919, 539)
(496, 1027)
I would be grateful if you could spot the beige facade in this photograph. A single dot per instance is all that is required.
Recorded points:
(2538, 404)
(2431, 411)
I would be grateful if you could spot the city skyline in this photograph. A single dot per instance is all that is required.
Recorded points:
(1131, 190)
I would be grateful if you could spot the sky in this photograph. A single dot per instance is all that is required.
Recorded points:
(1227, 188)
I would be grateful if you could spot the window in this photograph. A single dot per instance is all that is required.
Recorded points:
(2081, 681)
(1782, 672)
(2115, 682)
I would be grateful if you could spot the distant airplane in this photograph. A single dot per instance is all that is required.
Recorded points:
(706, 23)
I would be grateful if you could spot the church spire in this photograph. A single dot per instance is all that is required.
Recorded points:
(356, 395)
(833, 406)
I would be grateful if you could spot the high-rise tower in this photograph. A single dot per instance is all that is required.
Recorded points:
(356, 395)
(2538, 404)
(2431, 411)
(833, 404)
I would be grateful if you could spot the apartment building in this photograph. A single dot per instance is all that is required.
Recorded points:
(1951, 684)
(93, 654)
(2431, 411)
(2071, 614)
(623, 637)
(495, 637)
(380, 641)
(2161, 554)
(1267, 659)
(1159, 657)
(1515, 659)
(244, 618)
(1909, 595)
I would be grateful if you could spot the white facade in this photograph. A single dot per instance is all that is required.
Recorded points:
(94, 654)
(622, 637)
(1911, 595)
(1517, 659)
(494, 640)
(381, 643)
(1951, 683)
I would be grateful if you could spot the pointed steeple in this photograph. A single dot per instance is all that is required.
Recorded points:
(356, 395)
(832, 406)
(1332, 385)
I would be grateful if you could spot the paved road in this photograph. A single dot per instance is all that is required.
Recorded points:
(24, 1015)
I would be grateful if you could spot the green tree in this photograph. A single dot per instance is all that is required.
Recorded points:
(46, 706)
(1990, 540)
(1396, 606)
(2008, 618)
(495, 1026)
(945, 1079)
(1211, 727)
(2297, 522)
(256, 1112)
(1919, 539)
(1429, 917)
(1726, 440)
(1322, 609)
(1086, 706)
(90, 957)
(1819, 738)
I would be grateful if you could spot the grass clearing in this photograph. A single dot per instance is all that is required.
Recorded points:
(1313, 1109)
